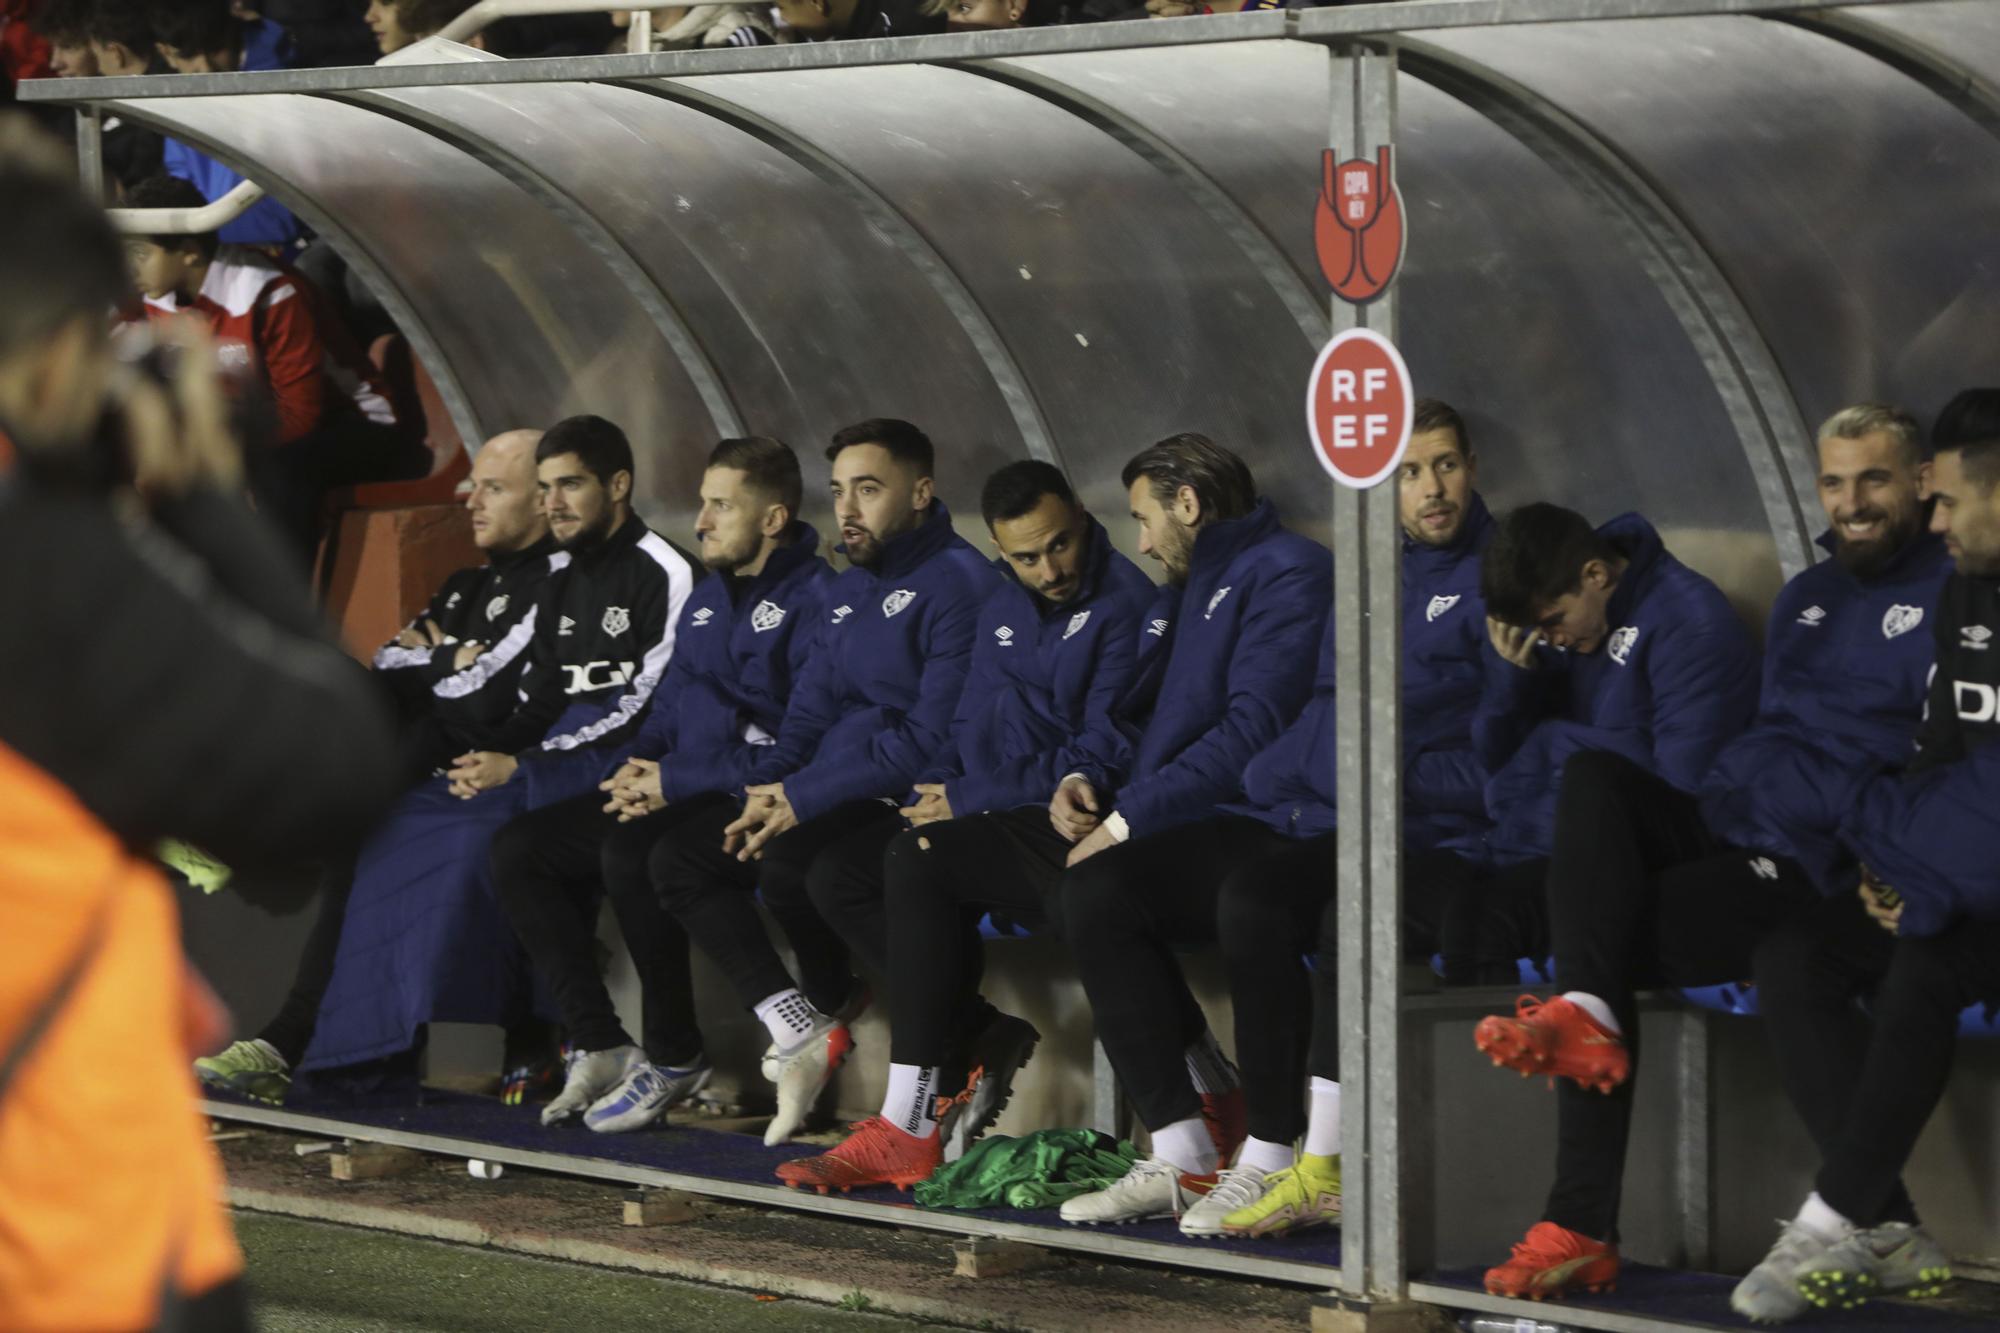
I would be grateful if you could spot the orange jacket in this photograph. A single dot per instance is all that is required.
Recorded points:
(109, 1189)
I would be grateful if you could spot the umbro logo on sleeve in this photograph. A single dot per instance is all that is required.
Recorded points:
(701, 617)
(1975, 637)
(1812, 615)
(1005, 634)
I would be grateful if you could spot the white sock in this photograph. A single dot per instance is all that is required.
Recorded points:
(910, 1104)
(1188, 1145)
(1210, 1068)
(1818, 1217)
(1596, 1008)
(1264, 1155)
(788, 1017)
(1323, 1122)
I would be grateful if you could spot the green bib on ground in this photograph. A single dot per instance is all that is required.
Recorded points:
(1037, 1170)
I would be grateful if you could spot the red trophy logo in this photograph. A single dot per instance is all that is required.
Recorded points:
(1358, 225)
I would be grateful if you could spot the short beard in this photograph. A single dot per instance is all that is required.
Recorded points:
(1864, 560)
(589, 536)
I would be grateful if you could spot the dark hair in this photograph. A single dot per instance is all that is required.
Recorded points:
(1221, 480)
(1436, 414)
(63, 22)
(905, 443)
(422, 18)
(60, 258)
(600, 446)
(126, 23)
(1018, 487)
(1538, 554)
(768, 465)
(172, 192)
(197, 27)
(1970, 425)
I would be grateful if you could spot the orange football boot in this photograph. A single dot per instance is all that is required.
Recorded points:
(1556, 1038)
(876, 1153)
(1551, 1261)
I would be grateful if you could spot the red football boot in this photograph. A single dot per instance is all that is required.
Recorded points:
(1556, 1038)
(1551, 1261)
(1227, 1115)
(876, 1153)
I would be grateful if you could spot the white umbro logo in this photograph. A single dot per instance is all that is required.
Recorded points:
(1764, 868)
(452, 600)
(841, 613)
(1215, 601)
(1006, 636)
(1077, 622)
(1158, 629)
(1975, 637)
(1899, 620)
(702, 617)
(767, 615)
(1619, 645)
(1812, 615)
(1440, 605)
(896, 601)
(567, 626)
(616, 620)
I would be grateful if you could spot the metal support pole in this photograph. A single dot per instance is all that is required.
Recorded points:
(90, 151)
(1366, 603)
(639, 37)
(1695, 1121)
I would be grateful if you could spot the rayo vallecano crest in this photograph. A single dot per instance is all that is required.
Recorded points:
(1076, 622)
(768, 615)
(1619, 645)
(1900, 620)
(497, 607)
(616, 620)
(896, 601)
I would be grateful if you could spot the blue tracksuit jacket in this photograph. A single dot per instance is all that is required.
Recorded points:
(741, 645)
(1675, 679)
(874, 707)
(266, 46)
(1040, 700)
(1291, 787)
(1234, 666)
(1845, 667)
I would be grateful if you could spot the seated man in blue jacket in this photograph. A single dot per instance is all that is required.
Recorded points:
(874, 706)
(1655, 882)
(1921, 932)
(744, 636)
(1279, 906)
(1056, 648)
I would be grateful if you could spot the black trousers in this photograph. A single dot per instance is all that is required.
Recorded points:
(1641, 893)
(551, 867)
(1866, 1090)
(1277, 910)
(713, 896)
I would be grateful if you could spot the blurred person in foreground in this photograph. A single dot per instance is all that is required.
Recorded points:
(155, 635)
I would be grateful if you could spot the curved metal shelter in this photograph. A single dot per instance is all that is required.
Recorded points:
(1650, 243)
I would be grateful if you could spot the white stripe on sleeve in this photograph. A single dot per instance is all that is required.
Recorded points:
(680, 585)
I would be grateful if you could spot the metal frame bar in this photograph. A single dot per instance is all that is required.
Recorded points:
(90, 151)
(1973, 91)
(673, 326)
(1770, 428)
(1105, 1241)
(904, 234)
(1383, 21)
(471, 428)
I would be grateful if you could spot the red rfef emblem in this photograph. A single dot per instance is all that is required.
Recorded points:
(1358, 408)
(1358, 225)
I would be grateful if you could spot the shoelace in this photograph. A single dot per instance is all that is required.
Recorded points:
(1143, 1170)
(1239, 1187)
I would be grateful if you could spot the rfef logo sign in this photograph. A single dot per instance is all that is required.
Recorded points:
(1358, 225)
(1358, 407)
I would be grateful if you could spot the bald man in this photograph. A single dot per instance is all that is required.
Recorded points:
(455, 672)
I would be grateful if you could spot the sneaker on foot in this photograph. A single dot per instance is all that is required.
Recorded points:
(1893, 1257)
(1769, 1293)
(1556, 1038)
(644, 1095)
(1235, 1188)
(588, 1075)
(1152, 1188)
(1551, 1261)
(876, 1153)
(252, 1069)
(855, 1005)
(997, 1054)
(1304, 1194)
(802, 1073)
(1227, 1115)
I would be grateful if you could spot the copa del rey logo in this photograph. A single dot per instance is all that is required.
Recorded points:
(1440, 605)
(896, 601)
(768, 615)
(1619, 645)
(1358, 224)
(1900, 620)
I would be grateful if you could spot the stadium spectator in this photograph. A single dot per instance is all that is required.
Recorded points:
(398, 23)
(155, 637)
(454, 673)
(24, 49)
(1653, 883)
(1055, 650)
(745, 634)
(65, 26)
(1277, 906)
(701, 27)
(851, 20)
(1918, 934)
(121, 37)
(335, 425)
(874, 706)
(422, 937)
